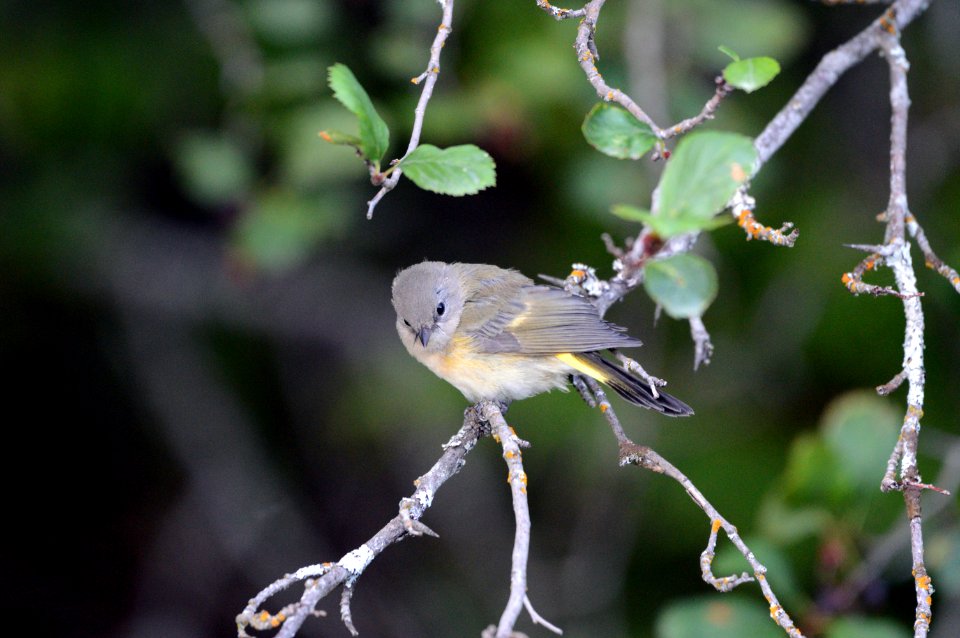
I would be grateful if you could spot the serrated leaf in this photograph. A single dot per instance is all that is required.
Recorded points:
(733, 55)
(615, 132)
(630, 213)
(751, 74)
(458, 170)
(374, 134)
(685, 285)
(700, 178)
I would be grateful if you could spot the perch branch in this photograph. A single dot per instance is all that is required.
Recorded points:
(517, 478)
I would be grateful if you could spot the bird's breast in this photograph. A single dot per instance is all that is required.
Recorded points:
(494, 376)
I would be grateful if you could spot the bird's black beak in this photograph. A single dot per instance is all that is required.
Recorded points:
(423, 336)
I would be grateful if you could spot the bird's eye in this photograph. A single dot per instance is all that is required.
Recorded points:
(440, 309)
(408, 323)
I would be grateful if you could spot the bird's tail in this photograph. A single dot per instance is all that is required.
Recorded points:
(634, 390)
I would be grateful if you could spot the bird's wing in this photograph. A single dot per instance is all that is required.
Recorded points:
(544, 320)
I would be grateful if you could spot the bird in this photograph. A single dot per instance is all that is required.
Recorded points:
(496, 335)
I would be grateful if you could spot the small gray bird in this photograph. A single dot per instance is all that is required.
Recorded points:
(496, 335)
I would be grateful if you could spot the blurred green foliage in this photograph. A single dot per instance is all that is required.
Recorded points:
(196, 318)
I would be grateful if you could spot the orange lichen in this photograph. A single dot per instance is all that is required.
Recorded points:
(715, 527)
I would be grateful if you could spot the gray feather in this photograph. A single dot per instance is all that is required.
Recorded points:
(548, 321)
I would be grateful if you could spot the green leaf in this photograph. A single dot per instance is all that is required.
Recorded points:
(685, 285)
(716, 617)
(751, 74)
(860, 430)
(701, 177)
(631, 213)
(214, 168)
(729, 52)
(374, 134)
(615, 132)
(860, 627)
(458, 170)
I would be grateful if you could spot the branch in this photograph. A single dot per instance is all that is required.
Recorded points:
(828, 71)
(558, 13)
(429, 79)
(895, 254)
(517, 478)
(633, 454)
(930, 258)
(320, 580)
(587, 56)
(899, 261)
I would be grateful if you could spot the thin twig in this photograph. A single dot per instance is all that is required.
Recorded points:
(538, 619)
(558, 13)
(891, 385)
(633, 454)
(742, 206)
(631, 365)
(587, 56)
(517, 479)
(428, 78)
(703, 346)
(930, 258)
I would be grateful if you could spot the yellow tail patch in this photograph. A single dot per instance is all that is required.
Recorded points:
(583, 366)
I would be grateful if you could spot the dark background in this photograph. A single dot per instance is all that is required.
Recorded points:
(205, 389)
